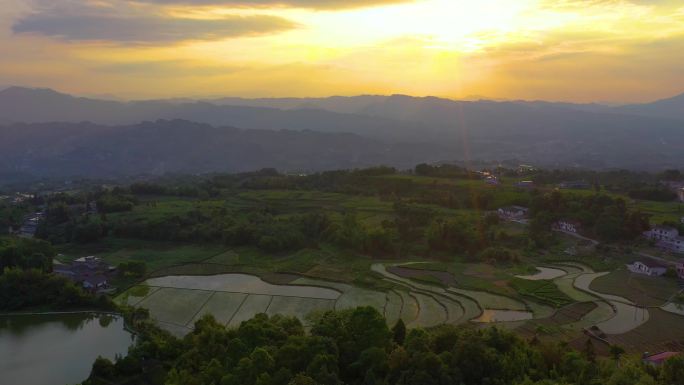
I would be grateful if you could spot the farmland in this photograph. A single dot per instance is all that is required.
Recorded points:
(419, 248)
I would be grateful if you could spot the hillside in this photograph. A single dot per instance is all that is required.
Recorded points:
(396, 130)
(668, 108)
(68, 149)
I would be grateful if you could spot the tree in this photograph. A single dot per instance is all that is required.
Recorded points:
(672, 371)
(616, 351)
(589, 350)
(399, 332)
(630, 374)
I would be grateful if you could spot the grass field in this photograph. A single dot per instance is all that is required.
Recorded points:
(638, 288)
(662, 211)
(156, 255)
(662, 332)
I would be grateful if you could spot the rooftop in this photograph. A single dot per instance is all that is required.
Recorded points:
(652, 263)
(660, 357)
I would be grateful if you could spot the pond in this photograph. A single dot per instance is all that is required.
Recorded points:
(57, 349)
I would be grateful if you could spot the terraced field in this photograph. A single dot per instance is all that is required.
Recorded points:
(176, 302)
(627, 315)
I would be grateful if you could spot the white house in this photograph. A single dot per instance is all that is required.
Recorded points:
(648, 267)
(569, 226)
(513, 212)
(658, 233)
(666, 238)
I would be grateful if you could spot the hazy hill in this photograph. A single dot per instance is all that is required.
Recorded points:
(398, 130)
(43, 105)
(68, 149)
(668, 108)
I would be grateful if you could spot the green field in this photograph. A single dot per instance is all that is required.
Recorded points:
(156, 255)
(641, 289)
(662, 332)
(419, 299)
(542, 290)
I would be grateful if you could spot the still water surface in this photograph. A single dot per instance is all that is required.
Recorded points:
(57, 349)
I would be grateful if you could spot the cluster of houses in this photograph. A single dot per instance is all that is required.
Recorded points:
(90, 272)
(513, 212)
(520, 214)
(647, 266)
(652, 267)
(666, 238)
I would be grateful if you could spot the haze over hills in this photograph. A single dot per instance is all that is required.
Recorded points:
(323, 133)
(668, 108)
(87, 149)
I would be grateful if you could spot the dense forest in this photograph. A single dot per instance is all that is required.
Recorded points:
(26, 281)
(357, 347)
(416, 225)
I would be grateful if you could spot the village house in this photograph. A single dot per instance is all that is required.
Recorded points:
(666, 238)
(513, 212)
(647, 266)
(566, 225)
(658, 358)
(91, 272)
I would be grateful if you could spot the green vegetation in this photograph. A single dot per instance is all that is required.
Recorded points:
(641, 289)
(357, 347)
(541, 290)
(330, 228)
(34, 290)
(24, 253)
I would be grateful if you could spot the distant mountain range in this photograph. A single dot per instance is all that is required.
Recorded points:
(323, 133)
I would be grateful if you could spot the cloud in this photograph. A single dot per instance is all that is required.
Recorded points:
(311, 4)
(166, 68)
(80, 22)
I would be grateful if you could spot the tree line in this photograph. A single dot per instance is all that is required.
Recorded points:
(356, 347)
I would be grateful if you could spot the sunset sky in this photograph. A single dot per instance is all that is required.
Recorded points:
(571, 50)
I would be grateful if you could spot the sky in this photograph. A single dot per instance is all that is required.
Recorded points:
(612, 51)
